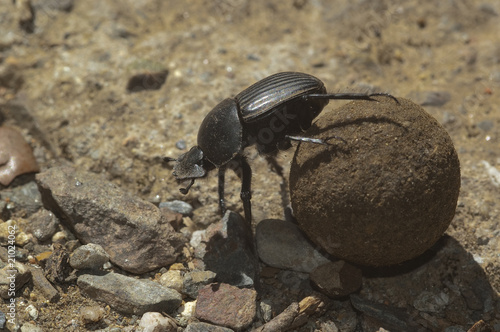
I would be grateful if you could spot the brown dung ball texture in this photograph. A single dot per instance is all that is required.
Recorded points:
(384, 196)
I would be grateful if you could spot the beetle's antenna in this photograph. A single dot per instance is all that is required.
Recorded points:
(168, 159)
(184, 191)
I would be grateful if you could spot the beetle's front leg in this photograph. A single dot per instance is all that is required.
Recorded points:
(222, 203)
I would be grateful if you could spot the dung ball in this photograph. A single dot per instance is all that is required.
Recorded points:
(384, 190)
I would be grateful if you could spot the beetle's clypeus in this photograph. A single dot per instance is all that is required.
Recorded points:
(268, 114)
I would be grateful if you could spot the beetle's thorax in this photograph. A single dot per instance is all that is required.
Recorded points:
(220, 133)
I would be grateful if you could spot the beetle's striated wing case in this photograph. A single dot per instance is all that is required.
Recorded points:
(258, 100)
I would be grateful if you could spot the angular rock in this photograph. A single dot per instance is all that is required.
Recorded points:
(205, 327)
(88, 256)
(281, 244)
(129, 229)
(23, 200)
(227, 248)
(337, 279)
(43, 224)
(195, 280)
(43, 285)
(12, 278)
(226, 305)
(129, 295)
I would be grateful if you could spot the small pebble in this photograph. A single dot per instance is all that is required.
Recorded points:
(181, 144)
(28, 327)
(172, 279)
(178, 206)
(43, 224)
(32, 311)
(91, 314)
(195, 280)
(186, 313)
(89, 256)
(188, 309)
(59, 237)
(147, 81)
(266, 311)
(156, 322)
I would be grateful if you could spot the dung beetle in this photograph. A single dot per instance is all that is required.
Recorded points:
(267, 114)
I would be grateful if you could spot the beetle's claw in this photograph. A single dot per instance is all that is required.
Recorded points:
(168, 159)
(184, 191)
(384, 95)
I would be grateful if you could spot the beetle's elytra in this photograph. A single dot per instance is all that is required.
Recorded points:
(268, 114)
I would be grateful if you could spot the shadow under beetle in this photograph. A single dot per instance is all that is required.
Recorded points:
(267, 114)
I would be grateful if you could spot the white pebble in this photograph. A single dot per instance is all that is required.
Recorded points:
(156, 322)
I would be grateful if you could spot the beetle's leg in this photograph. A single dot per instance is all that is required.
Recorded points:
(222, 203)
(314, 140)
(276, 167)
(244, 172)
(348, 96)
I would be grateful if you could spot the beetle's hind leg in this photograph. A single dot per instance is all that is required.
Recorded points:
(315, 140)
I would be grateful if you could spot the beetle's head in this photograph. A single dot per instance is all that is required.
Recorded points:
(189, 166)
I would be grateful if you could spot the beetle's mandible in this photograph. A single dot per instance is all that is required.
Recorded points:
(268, 114)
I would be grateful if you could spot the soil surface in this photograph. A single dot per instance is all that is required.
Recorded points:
(69, 67)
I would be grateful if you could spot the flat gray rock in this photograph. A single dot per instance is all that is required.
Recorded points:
(129, 295)
(281, 244)
(131, 230)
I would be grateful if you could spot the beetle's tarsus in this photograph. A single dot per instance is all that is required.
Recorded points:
(169, 159)
(184, 191)
(383, 94)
